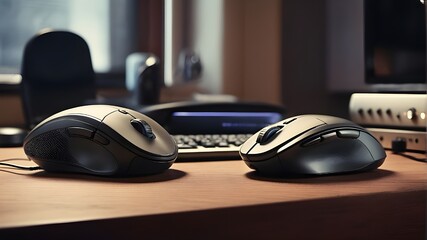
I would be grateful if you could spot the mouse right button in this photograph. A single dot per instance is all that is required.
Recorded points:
(348, 134)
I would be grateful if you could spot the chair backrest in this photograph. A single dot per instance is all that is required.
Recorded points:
(57, 74)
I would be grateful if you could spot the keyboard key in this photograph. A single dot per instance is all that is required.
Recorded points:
(226, 145)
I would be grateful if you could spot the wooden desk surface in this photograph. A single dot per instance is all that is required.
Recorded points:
(224, 199)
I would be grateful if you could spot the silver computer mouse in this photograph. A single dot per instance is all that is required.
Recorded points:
(313, 145)
(101, 140)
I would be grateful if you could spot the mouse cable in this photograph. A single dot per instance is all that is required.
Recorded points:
(2, 163)
(412, 157)
(398, 146)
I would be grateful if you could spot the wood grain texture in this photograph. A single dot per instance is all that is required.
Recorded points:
(214, 195)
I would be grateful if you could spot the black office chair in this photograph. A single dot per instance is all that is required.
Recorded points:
(57, 74)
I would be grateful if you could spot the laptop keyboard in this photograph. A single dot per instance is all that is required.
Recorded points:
(209, 146)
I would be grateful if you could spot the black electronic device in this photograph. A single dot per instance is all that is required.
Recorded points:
(395, 42)
(312, 145)
(101, 140)
(213, 130)
(392, 117)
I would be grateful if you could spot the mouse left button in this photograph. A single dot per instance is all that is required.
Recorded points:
(80, 132)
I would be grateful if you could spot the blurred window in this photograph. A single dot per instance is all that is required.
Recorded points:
(108, 26)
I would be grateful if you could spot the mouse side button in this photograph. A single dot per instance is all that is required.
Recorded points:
(79, 132)
(100, 139)
(348, 133)
(311, 142)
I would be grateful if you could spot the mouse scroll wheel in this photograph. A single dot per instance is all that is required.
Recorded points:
(267, 134)
(143, 127)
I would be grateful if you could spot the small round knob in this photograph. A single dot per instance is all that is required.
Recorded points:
(411, 114)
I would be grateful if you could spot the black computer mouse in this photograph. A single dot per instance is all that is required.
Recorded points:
(101, 140)
(312, 145)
